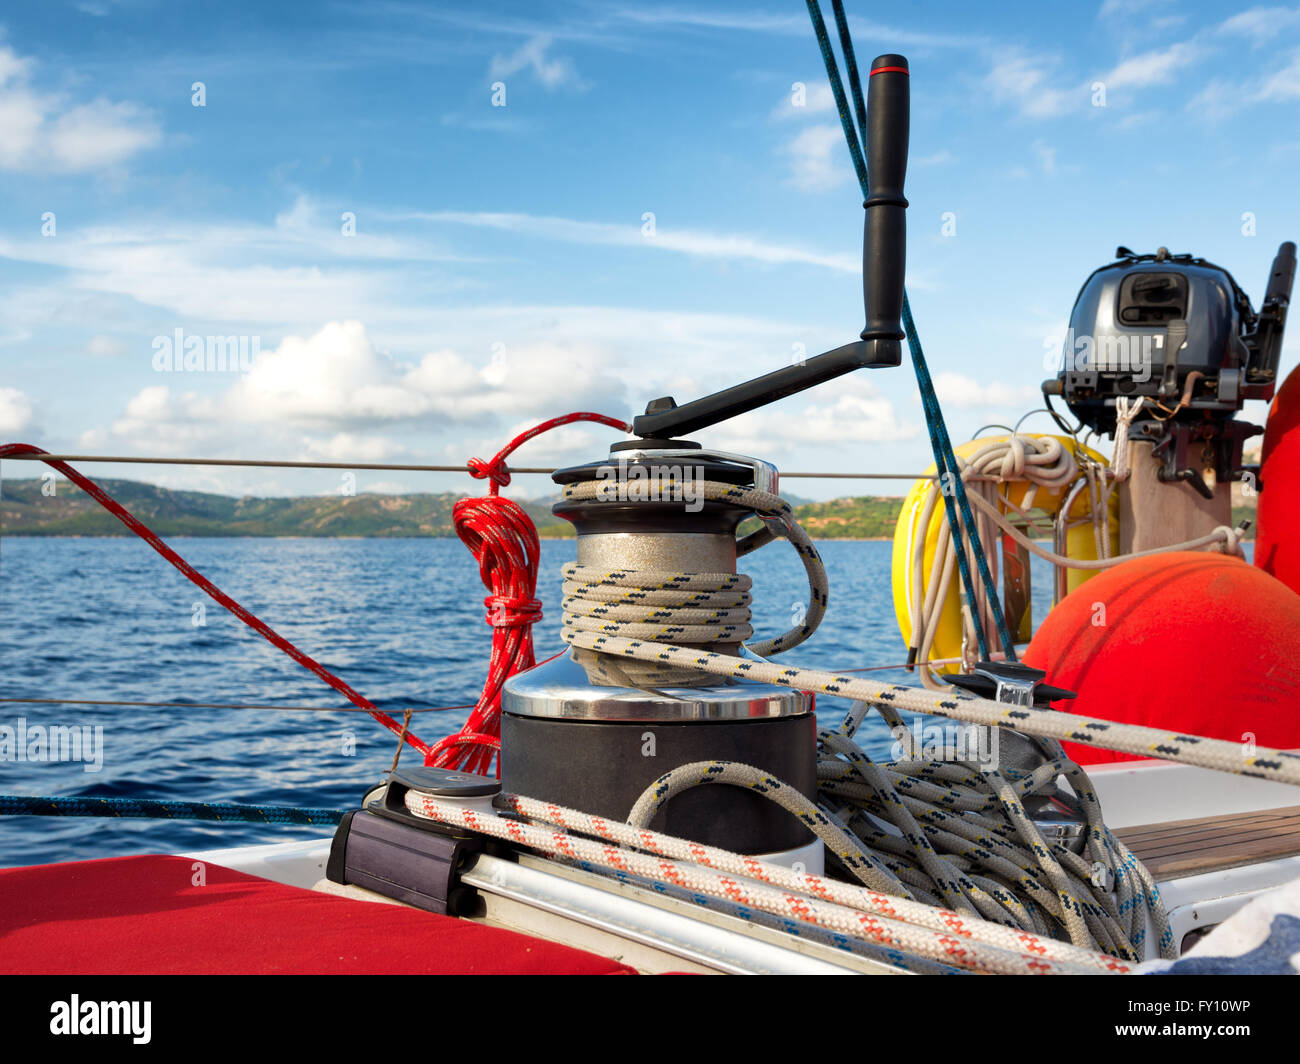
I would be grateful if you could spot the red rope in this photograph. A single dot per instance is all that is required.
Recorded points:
(211, 590)
(503, 540)
(501, 537)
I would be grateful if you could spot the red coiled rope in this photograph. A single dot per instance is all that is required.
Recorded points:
(503, 539)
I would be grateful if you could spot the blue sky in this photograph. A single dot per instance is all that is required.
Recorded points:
(500, 271)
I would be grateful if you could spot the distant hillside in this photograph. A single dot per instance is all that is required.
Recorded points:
(24, 511)
(70, 512)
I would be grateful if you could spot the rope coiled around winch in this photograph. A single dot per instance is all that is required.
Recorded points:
(700, 608)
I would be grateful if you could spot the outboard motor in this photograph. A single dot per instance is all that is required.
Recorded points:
(1180, 333)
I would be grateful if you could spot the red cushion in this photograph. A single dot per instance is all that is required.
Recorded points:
(1194, 642)
(144, 915)
(1277, 537)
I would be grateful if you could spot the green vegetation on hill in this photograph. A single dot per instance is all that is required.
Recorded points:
(26, 511)
(861, 517)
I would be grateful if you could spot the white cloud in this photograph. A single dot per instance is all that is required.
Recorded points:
(957, 390)
(337, 380)
(1152, 68)
(1283, 84)
(350, 446)
(16, 413)
(102, 346)
(1221, 98)
(666, 238)
(857, 414)
(552, 73)
(42, 133)
(254, 274)
(813, 154)
(1023, 81)
(246, 273)
(796, 25)
(1261, 24)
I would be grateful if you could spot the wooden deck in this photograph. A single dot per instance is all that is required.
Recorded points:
(1189, 847)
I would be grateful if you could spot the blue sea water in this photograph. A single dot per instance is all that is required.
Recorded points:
(401, 620)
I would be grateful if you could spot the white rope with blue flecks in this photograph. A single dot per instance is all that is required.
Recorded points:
(610, 636)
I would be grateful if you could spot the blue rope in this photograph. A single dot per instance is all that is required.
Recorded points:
(31, 805)
(944, 459)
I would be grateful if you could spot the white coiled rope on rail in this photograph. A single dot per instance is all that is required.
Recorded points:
(944, 921)
(1040, 461)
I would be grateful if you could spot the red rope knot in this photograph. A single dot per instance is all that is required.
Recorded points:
(512, 611)
(495, 471)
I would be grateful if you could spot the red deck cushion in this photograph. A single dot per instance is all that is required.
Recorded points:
(145, 915)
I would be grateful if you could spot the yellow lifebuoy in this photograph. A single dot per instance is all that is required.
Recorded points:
(1081, 543)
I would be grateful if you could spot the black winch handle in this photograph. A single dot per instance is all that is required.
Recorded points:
(884, 232)
(884, 250)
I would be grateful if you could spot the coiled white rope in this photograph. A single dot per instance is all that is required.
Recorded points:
(636, 835)
(949, 847)
(1230, 538)
(1040, 461)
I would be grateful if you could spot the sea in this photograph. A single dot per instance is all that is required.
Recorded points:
(400, 620)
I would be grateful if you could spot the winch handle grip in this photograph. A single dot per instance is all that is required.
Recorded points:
(884, 232)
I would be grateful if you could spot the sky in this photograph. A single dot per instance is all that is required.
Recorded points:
(437, 224)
